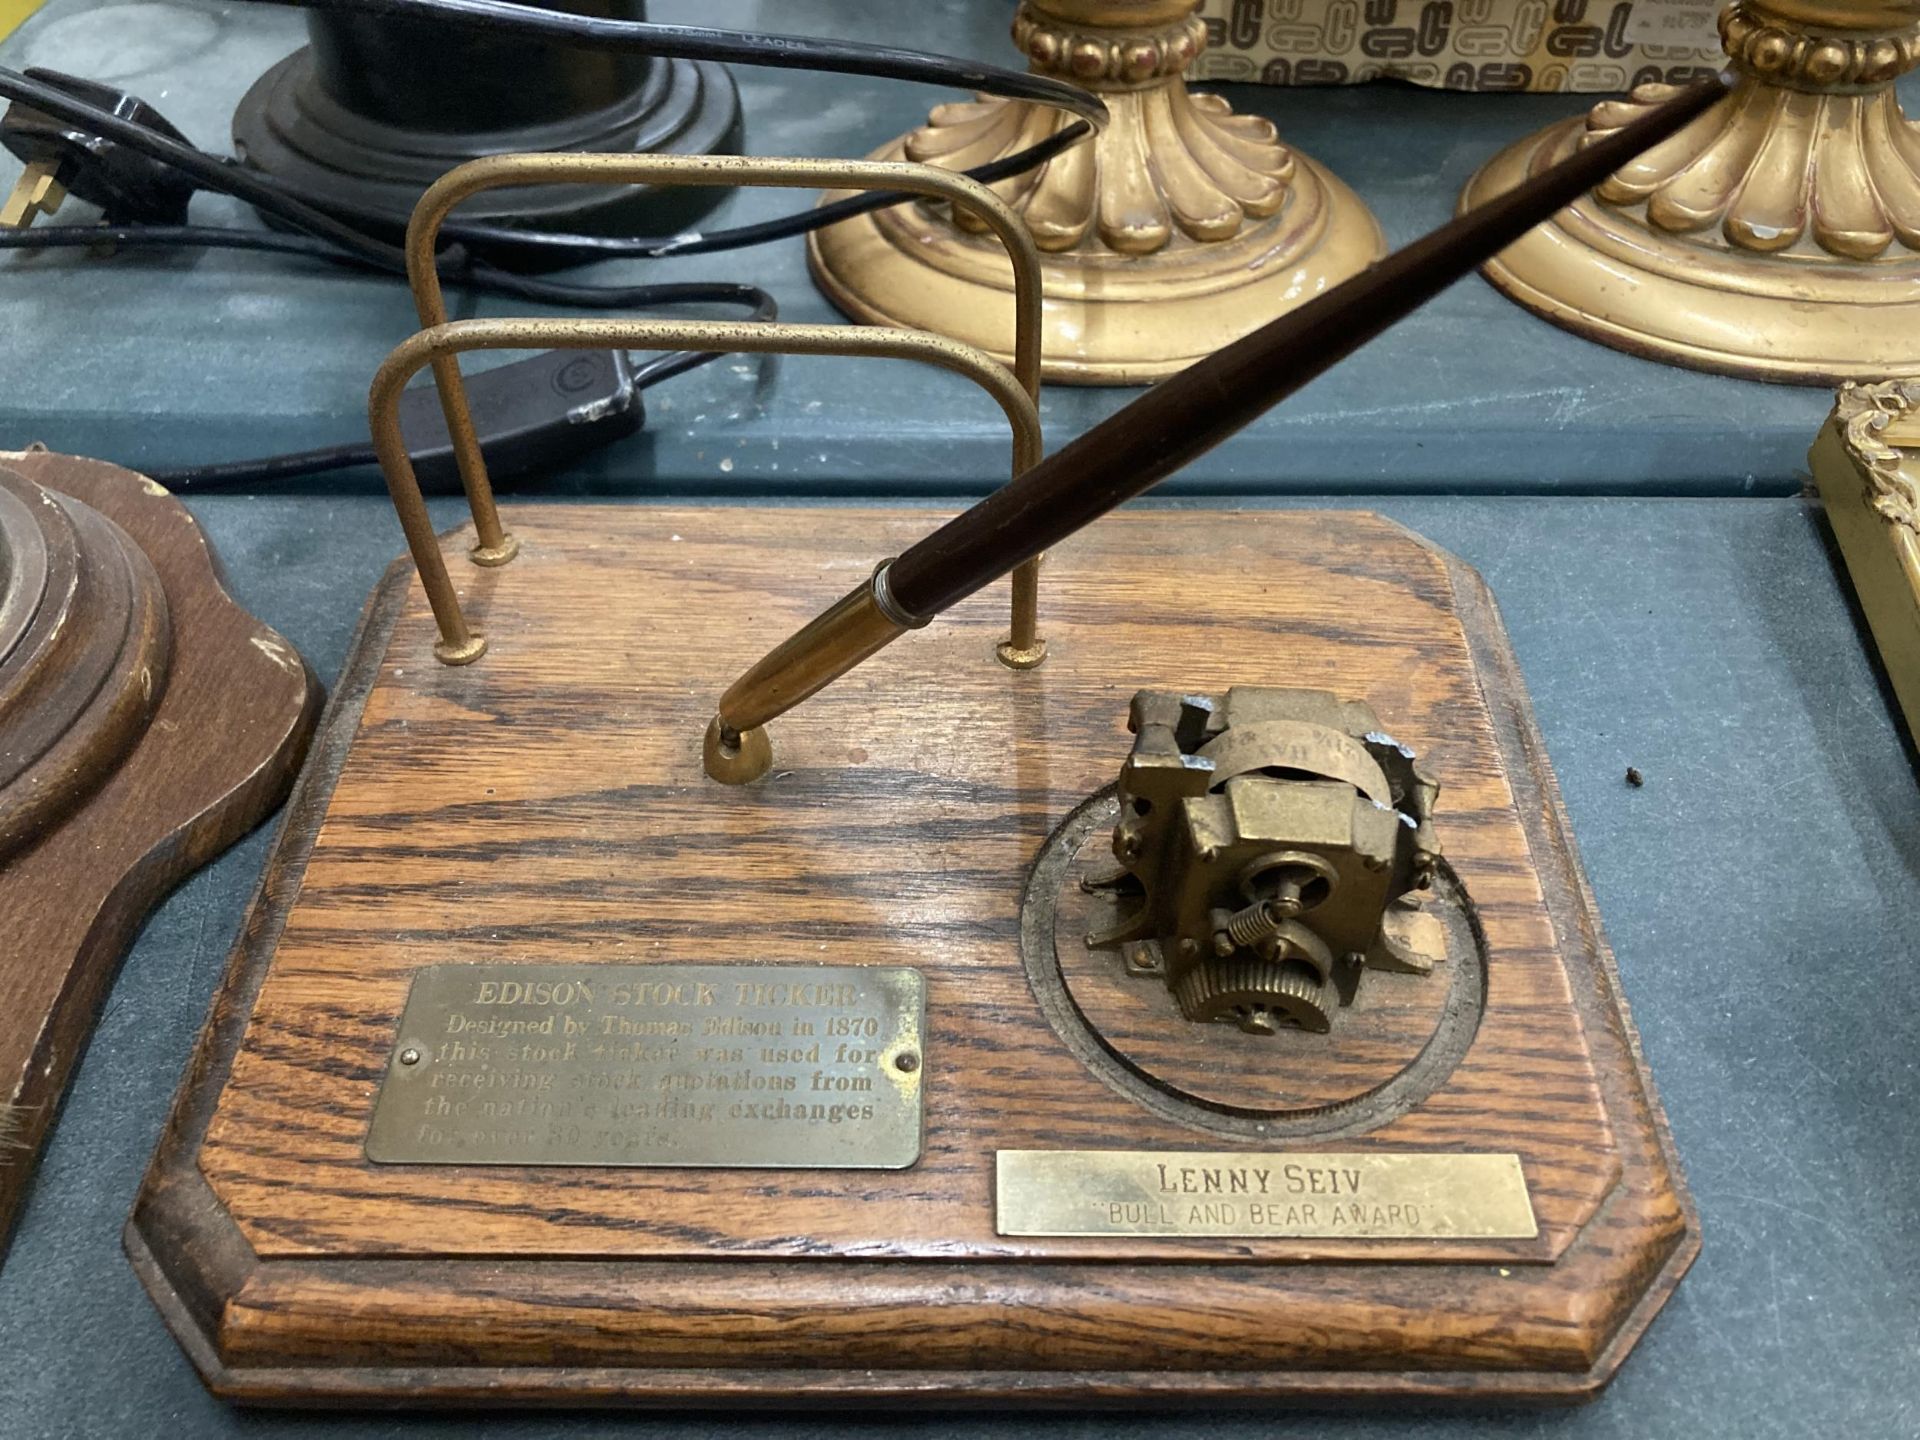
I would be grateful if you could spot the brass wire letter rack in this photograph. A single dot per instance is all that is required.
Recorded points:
(440, 342)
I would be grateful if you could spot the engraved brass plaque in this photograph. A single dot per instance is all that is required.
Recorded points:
(729, 1066)
(1293, 1194)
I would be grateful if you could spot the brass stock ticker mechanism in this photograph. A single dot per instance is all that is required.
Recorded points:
(1263, 835)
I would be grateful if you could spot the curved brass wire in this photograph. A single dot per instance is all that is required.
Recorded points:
(441, 343)
(493, 546)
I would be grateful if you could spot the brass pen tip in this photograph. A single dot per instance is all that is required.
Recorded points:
(735, 757)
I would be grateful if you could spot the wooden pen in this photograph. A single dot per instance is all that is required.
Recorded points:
(1141, 444)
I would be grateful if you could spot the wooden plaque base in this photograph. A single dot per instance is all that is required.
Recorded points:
(547, 804)
(224, 710)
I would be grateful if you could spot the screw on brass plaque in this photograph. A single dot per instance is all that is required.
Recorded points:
(750, 1066)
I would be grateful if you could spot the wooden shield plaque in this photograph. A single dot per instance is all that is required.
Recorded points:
(1467, 1192)
(147, 722)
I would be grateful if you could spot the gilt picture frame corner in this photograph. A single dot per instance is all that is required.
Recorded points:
(1866, 468)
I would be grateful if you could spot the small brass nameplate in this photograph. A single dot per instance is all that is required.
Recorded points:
(1294, 1194)
(729, 1066)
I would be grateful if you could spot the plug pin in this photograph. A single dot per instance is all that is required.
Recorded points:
(37, 192)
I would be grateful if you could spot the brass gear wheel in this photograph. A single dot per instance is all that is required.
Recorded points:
(1258, 995)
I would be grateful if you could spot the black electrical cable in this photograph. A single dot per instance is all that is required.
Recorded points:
(212, 173)
(620, 297)
(270, 469)
(326, 237)
(689, 42)
(454, 269)
(235, 180)
(673, 41)
(267, 470)
(781, 51)
(168, 237)
(264, 193)
(582, 248)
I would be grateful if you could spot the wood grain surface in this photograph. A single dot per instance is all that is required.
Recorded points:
(547, 804)
(218, 752)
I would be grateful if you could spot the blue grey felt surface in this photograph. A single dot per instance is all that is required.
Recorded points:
(168, 361)
(1758, 891)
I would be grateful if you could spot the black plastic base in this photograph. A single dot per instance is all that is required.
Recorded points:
(372, 172)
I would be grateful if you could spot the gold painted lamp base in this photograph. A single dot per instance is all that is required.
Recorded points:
(1179, 228)
(1604, 273)
(1776, 237)
(1106, 318)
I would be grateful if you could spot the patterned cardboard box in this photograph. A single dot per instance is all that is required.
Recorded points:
(1580, 45)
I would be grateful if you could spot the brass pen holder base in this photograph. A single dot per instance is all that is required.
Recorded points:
(1179, 228)
(1777, 237)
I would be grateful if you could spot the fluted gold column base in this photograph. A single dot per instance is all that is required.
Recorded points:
(1107, 318)
(1804, 316)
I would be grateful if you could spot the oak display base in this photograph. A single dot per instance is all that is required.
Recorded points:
(540, 818)
(146, 723)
